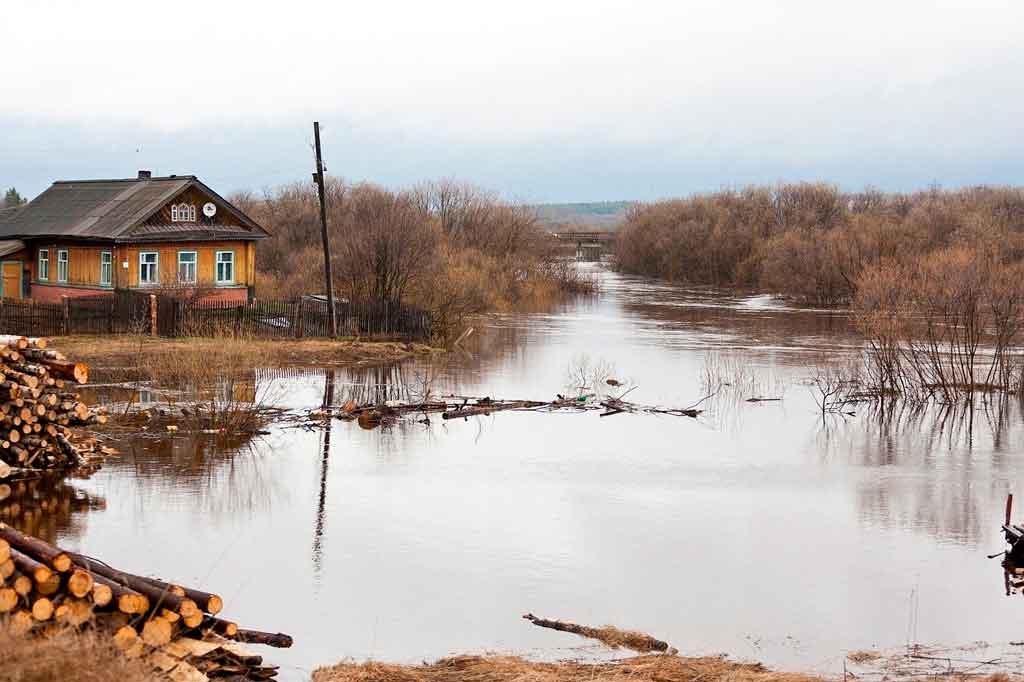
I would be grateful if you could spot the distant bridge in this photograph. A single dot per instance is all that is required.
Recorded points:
(587, 245)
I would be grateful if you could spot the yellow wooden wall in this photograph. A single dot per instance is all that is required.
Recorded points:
(84, 262)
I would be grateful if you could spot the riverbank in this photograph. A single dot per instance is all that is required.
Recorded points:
(113, 358)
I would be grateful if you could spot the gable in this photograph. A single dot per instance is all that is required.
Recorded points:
(195, 196)
(228, 222)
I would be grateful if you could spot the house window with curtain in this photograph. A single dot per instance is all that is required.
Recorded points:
(187, 267)
(149, 264)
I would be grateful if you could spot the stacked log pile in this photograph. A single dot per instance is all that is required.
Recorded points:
(44, 589)
(38, 408)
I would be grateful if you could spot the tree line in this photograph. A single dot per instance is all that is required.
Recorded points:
(448, 247)
(811, 241)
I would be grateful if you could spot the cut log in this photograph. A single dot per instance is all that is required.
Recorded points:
(101, 594)
(157, 592)
(36, 548)
(125, 637)
(8, 599)
(157, 631)
(80, 583)
(42, 609)
(39, 571)
(21, 623)
(74, 371)
(22, 585)
(49, 586)
(128, 600)
(274, 639)
(74, 612)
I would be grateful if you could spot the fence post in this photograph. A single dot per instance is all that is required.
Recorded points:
(238, 321)
(152, 314)
(300, 318)
(65, 316)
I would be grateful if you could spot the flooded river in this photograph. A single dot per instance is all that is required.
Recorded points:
(757, 529)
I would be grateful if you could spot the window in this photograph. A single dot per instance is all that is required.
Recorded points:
(183, 213)
(225, 267)
(149, 263)
(44, 264)
(187, 267)
(62, 265)
(106, 268)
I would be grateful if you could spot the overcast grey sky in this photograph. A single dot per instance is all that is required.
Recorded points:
(542, 100)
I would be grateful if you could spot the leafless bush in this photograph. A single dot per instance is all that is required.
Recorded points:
(450, 248)
(810, 241)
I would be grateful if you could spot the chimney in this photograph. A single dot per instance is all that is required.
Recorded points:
(145, 175)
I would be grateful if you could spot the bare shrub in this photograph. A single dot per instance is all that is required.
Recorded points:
(926, 324)
(812, 242)
(450, 248)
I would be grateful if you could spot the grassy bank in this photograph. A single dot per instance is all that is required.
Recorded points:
(654, 668)
(68, 656)
(129, 358)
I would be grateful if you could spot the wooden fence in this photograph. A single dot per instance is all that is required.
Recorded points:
(129, 312)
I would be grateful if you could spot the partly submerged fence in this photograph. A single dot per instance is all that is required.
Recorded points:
(129, 312)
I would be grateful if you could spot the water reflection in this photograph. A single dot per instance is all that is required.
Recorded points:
(636, 520)
(47, 507)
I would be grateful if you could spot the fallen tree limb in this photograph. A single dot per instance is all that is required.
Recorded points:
(608, 635)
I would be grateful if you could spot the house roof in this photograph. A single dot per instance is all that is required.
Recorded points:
(9, 246)
(112, 210)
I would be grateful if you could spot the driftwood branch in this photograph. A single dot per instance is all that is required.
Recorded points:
(608, 635)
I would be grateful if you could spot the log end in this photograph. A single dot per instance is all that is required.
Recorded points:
(42, 609)
(214, 605)
(62, 562)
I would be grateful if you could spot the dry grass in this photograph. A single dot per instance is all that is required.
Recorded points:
(613, 637)
(112, 357)
(66, 656)
(863, 656)
(513, 669)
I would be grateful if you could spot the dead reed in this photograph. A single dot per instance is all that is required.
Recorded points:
(83, 657)
(650, 668)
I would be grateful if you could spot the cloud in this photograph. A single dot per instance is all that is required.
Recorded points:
(542, 100)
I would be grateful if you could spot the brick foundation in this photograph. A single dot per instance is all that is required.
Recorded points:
(41, 293)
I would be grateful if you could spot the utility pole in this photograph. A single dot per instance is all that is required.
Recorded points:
(318, 180)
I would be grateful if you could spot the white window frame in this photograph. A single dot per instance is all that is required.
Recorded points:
(106, 268)
(195, 267)
(44, 265)
(156, 268)
(63, 258)
(183, 213)
(216, 268)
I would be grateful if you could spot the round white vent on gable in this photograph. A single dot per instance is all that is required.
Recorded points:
(209, 209)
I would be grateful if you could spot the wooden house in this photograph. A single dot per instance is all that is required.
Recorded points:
(87, 237)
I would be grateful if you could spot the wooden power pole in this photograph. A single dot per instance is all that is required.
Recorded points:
(318, 179)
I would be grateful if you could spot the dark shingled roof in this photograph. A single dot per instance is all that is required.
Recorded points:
(112, 209)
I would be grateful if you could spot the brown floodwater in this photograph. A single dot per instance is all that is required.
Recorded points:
(757, 529)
